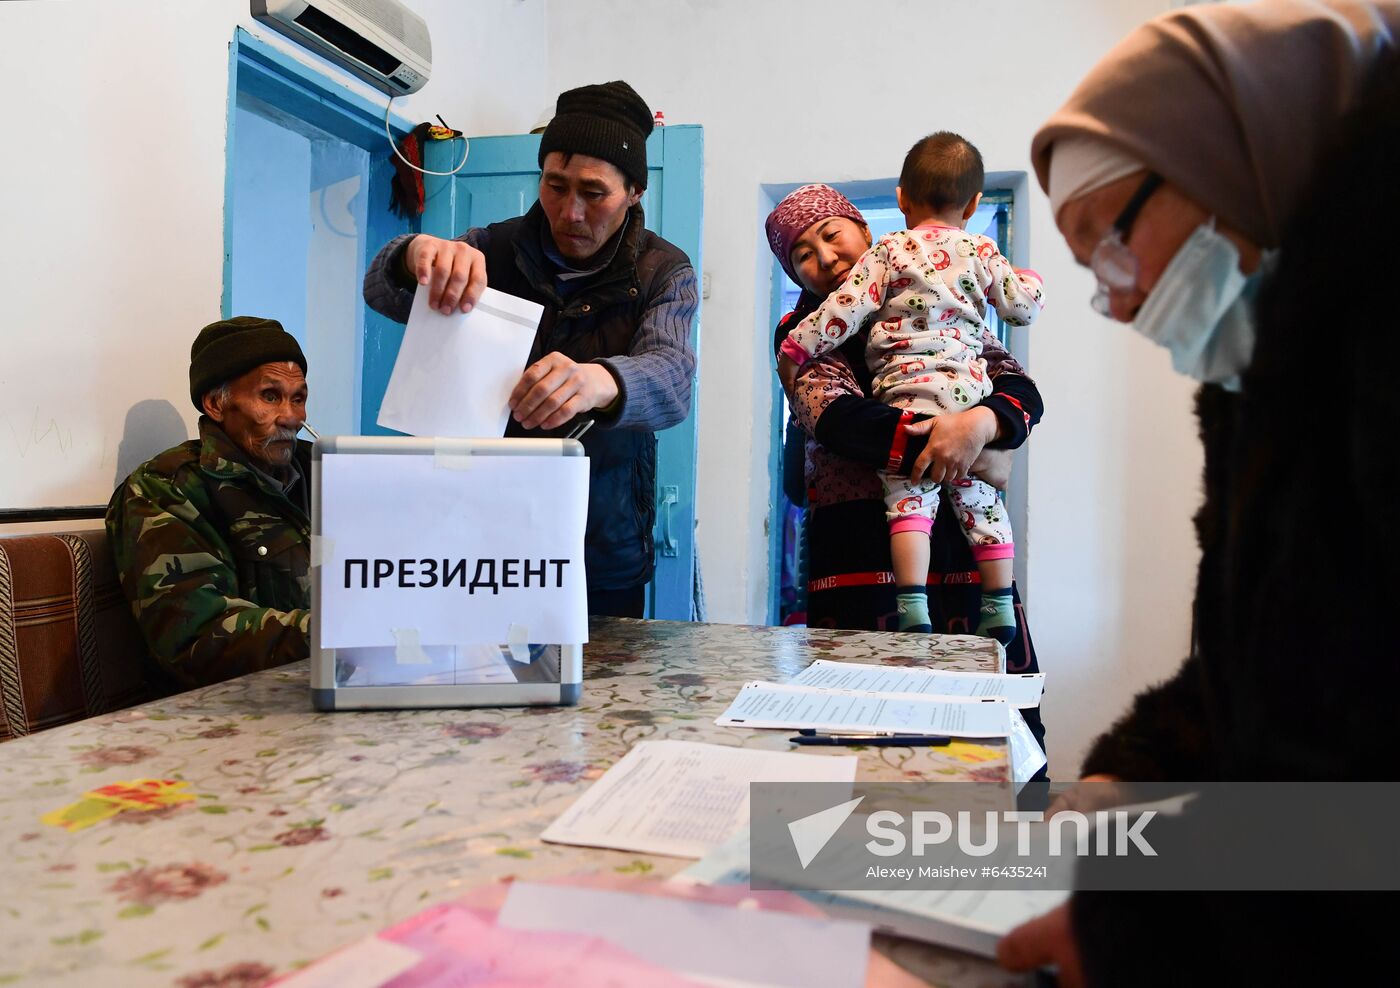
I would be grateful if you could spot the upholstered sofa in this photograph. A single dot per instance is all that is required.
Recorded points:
(69, 646)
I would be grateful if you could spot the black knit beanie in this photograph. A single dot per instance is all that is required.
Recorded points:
(608, 121)
(230, 348)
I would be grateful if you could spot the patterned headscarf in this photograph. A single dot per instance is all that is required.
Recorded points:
(797, 212)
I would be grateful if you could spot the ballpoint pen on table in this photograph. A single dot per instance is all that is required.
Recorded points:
(812, 738)
(815, 732)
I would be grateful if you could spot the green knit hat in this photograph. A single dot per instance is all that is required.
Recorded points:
(230, 348)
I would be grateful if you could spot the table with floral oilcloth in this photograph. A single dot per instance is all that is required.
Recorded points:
(307, 830)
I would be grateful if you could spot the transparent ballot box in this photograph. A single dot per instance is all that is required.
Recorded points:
(449, 676)
(445, 503)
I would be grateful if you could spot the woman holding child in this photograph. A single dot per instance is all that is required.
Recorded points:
(818, 236)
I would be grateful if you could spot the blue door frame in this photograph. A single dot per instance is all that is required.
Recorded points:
(304, 93)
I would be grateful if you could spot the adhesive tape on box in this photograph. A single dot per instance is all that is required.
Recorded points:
(321, 550)
(518, 638)
(408, 651)
(445, 458)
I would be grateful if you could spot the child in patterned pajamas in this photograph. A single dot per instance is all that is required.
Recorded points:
(925, 292)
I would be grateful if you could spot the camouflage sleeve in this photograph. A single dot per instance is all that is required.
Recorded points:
(178, 573)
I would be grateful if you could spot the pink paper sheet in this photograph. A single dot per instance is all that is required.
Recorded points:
(462, 946)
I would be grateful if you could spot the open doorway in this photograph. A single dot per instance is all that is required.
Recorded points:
(996, 217)
(306, 205)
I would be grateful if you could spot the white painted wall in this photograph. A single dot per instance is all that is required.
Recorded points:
(111, 205)
(812, 91)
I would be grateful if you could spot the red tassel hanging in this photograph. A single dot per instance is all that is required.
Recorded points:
(406, 190)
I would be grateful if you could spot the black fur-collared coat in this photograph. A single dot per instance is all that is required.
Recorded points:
(1295, 649)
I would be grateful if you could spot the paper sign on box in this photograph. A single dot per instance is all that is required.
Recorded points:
(518, 520)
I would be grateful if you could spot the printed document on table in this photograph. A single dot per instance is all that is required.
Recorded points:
(682, 798)
(1021, 690)
(454, 374)
(794, 707)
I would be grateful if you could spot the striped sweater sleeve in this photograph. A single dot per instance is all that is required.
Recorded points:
(654, 378)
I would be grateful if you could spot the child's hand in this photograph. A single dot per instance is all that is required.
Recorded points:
(787, 372)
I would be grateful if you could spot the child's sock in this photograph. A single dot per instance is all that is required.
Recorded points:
(998, 616)
(912, 603)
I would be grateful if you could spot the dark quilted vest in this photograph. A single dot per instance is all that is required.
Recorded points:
(599, 319)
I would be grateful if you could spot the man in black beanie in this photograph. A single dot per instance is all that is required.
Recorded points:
(212, 537)
(614, 343)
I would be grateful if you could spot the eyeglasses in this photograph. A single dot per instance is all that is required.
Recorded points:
(1113, 264)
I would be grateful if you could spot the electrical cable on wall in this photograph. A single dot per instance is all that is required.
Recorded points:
(406, 190)
(466, 145)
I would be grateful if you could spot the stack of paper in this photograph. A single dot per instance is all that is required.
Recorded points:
(852, 697)
(1020, 690)
(794, 707)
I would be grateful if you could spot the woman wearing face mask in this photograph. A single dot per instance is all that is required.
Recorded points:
(817, 235)
(1203, 172)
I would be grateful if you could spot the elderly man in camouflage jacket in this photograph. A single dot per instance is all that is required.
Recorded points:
(212, 537)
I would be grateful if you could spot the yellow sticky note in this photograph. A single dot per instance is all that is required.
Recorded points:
(963, 751)
(144, 794)
(136, 796)
(82, 814)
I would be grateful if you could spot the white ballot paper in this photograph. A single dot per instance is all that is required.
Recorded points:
(772, 705)
(705, 942)
(682, 798)
(458, 555)
(445, 665)
(970, 918)
(454, 373)
(1021, 690)
(1024, 753)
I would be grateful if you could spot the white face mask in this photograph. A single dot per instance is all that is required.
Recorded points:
(1202, 309)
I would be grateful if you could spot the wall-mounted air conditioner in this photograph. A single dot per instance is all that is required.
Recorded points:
(381, 41)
